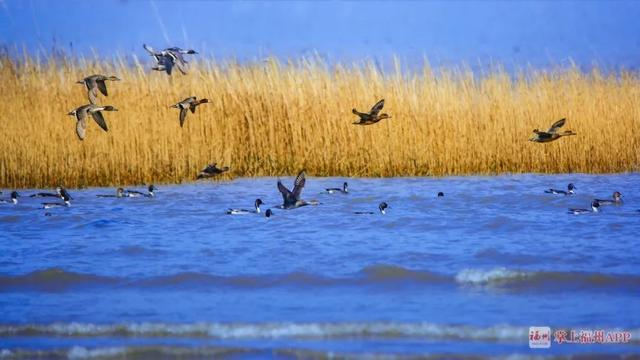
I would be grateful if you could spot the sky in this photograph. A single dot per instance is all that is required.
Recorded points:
(538, 33)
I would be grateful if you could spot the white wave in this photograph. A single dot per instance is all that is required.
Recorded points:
(484, 277)
(79, 352)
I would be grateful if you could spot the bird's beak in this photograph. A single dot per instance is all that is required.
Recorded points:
(70, 113)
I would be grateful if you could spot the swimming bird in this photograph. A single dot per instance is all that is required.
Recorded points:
(96, 112)
(189, 103)
(268, 213)
(440, 194)
(551, 134)
(119, 194)
(150, 192)
(344, 189)
(570, 190)
(95, 83)
(58, 193)
(13, 200)
(617, 199)
(594, 209)
(382, 207)
(211, 170)
(291, 199)
(257, 204)
(372, 116)
(66, 203)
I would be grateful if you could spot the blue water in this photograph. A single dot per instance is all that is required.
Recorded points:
(464, 274)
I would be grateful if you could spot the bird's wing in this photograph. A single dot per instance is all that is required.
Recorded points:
(81, 128)
(556, 126)
(102, 87)
(183, 116)
(286, 194)
(92, 90)
(97, 116)
(298, 185)
(377, 107)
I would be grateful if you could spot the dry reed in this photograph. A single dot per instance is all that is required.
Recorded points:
(271, 118)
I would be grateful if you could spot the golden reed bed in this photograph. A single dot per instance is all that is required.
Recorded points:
(270, 118)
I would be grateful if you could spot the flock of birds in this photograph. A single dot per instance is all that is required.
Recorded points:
(169, 58)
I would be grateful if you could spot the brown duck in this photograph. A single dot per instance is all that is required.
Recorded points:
(95, 83)
(96, 112)
(211, 170)
(551, 134)
(372, 116)
(189, 103)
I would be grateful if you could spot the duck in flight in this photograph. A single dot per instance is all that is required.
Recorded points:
(372, 116)
(382, 208)
(189, 103)
(291, 199)
(551, 134)
(96, 112)
(65, 197)
(594, 209)
(13, 200)
(256, 204)
(211, 170)
(168, 58)
(570, 190)
(134, 193)
(616, 199)
(120, 193)
(95, 83)
(343, 190)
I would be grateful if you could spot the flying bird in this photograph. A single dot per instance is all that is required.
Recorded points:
(372, 116)
(551, 134)
(95, 83)
(189, 103)
(211, 170)
(96, 112)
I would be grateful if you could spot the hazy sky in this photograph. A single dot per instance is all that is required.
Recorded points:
(540, 33)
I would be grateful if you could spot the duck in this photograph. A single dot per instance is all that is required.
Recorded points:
(95, 83)
(382, 208)
(257, 204)
(343, 190)
(66, 203)
(616, 199)
(372, 116)
(594, 209)
(268, 213)
(120, 193)
(552, 134)
(440, 194)
(291, 199)
(570, 190)
(168, 58)
(13, 200)
(57, 194)
(189, 103)
(211, 170)
(96, 112)
(150, 192)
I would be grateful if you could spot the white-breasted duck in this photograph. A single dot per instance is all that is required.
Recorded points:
(570, 190)
(382, 208)
(95, 83)
(135, 193)
(96, 112)
(373, 116)
(187, 104)
(594, 209)
(343, 190)
(120, 193)
(256, 204)
(616, 199)
(12, 200)
(66, 203)
(551, 134)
